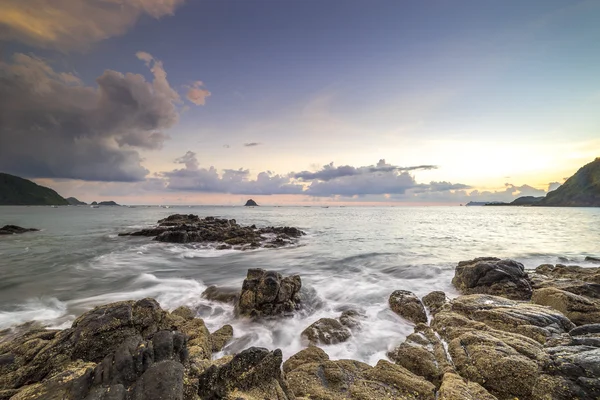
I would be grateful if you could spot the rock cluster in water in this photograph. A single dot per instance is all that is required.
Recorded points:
(478, 346)
(14, 230)
(225, 233)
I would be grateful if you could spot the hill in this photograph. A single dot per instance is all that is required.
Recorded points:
(15, 191)
(74, 202)
(580, 190)
(251, 203)
(526, 201)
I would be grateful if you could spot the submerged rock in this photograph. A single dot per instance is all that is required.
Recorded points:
(490, 275)
(267, 293)
(326, 331)
(15, 230)
(407, 305)
(223, 233)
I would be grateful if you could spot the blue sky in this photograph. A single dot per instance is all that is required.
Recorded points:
(493, 93)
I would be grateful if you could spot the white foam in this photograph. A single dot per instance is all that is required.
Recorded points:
(43, 310)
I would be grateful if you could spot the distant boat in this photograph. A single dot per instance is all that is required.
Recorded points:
(164, 207)
(94, 206)
(325, 207)
(54, 206)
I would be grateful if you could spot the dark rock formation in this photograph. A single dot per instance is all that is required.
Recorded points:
(326, 331)
(407, 305)
(267, 293)
(580, 190)
(225, 233)
(221, 294)
(14, 230)
(220, 337)
(255, 371)
(108, 203)
(592, 259)
(490, 275)
(15, 191)
(251, 203)
(435, 300)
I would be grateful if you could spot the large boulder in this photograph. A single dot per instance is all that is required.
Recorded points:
(255, 373)
(423, 354)
(326, 331)
(407, 305)
(490, 275)
(267, 294)
(531, 320)
(579, 309)
(560, 271)
(312, 376)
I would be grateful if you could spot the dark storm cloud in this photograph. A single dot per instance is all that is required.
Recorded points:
(252, 144)
(53, 126)
(329, 171)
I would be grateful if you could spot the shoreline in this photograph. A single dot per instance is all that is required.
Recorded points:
(535, 326)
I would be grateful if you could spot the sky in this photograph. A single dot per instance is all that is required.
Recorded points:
(299, 101)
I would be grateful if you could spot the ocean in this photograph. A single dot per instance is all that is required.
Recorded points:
(351, 258)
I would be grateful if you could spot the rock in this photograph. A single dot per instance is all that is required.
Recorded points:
(351, 319)
(326, 331)
(490, 275)
(434, 301)
(454, 387)
(251, 203)
(580, 310)
(423, 354)
(221, 294)
(531, 320)
(222, 233)
(220, 337)
(97, 332)
(591, 329)
(183, 312)
(407, 305)
(573, 272)
(574, 373)
(162, 381)
(311, 376)
(266, 294)
(255, 372)
(592, 259)
(14, 230)
(312, 354)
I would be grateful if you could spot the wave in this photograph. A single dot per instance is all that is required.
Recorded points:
(47, 311)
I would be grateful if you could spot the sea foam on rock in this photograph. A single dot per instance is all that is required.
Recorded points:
(268, 294)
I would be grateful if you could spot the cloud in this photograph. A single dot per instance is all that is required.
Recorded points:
(74, 24)
(53, 126)
(197, 94)
(252, 144)
(232, 181)
(329, 171)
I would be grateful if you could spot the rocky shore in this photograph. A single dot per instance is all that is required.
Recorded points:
(223, 233)
(513, 334)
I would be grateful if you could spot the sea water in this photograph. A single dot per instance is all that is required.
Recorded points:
(351, 258)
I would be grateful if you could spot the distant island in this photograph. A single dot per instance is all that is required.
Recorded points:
(74, 202)
(105, 203)
(15, 191)
(251, 203)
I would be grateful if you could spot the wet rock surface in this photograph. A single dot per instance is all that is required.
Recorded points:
(15, 230)
(224, 233)
(326, 331)
(407, 305)
(490, 275)
(268, 294)
(476, 346)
